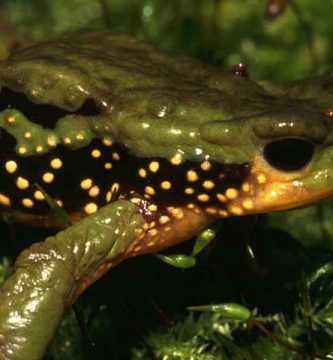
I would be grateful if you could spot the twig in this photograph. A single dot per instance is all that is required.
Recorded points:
(137, 331)
(308, 315)
(283, 344)
(164, 317)
(105, 13)
(82, 325)
(307, 30)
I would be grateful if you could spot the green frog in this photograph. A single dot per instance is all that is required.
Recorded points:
(93, 117)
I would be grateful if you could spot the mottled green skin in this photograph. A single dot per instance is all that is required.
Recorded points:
(49, 275)
(144, 93)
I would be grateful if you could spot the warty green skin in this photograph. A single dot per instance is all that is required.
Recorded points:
(49, 275)
(193, 105)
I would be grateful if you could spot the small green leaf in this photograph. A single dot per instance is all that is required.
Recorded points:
(178, 260)
(61, 213)
(322, 271)
(203, 239)
(230, 311)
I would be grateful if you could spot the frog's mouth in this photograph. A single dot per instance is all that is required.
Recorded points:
(270, 190)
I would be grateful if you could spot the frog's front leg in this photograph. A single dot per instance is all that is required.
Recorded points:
(50, 275)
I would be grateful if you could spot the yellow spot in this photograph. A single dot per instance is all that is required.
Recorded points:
(96, 153)
(152, 224)
(139, 231)
(94, 191)
(11, 166)
(211, 210)
(4, 200)
(246, 187)
(142, 172)
(176, 159)
(108, 196)
(39, 195)
(67, 140)
(22, 183)
(236, 210)
(176, 212)
(28, 135)
(203, 197)
(115, 188)
(11, 119)
(192, 176)
(22, 150)
(137, 249)
(154, 166)
(208, 184)
(152, 207)
(231, 194)
(108, 166)
(107, 141)
(135, 200)
(189, 191)
(149, 190)
(191, 206)
(27, 203)
(153, 232)
(205, 165)
(164, 219)
(86, 184)
(221, 198)
(196, 210)
(223, 213)
(166, 185)
(90, 208)
(248, 204)
(261, 178)
(115, 156)
(56, 163)
(39, 148)
(60, 203)
(79, 137)
(48, 177)
(52, 141)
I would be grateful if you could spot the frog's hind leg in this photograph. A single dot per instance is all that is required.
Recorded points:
(50, 275)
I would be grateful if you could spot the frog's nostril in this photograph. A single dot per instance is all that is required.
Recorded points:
(289, 154)
(43, 114)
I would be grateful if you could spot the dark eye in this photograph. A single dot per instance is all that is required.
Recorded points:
(289, 154)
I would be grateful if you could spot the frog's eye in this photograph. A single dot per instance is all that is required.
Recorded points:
(289, 154)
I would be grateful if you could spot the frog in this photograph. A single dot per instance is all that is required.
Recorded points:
(142, 150)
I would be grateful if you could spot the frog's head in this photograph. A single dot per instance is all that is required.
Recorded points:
(290, 163)
(287, 145)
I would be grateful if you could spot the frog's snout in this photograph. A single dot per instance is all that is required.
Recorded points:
(272, 189)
